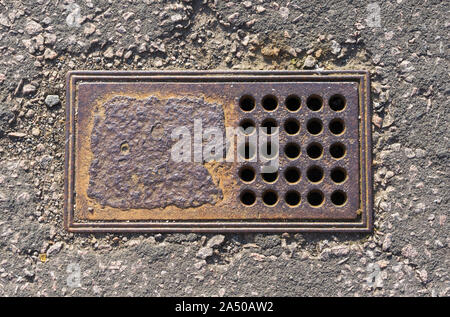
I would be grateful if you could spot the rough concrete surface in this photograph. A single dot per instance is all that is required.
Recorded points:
(404, 44)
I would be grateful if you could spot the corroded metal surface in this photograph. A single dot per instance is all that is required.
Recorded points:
(119, 176)
(131, 165)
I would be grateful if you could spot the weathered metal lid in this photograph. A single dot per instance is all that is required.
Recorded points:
(139, 155)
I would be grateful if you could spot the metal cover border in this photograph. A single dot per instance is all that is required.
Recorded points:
(366, 220)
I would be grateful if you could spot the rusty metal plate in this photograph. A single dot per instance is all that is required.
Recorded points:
(127, 169)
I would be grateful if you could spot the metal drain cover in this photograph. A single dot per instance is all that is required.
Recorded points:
(218, 151)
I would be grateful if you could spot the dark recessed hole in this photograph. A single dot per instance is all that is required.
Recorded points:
(337, 102)
(314, 126)
(291, 126)
(247, 103)
(315, 197)
(269, 103)
(247, 174)
(270, 197)
(269, 150)
(270, 125)
(338, 197)
(338, 175)
(248, 126)
(248, 197)
(124, 148)
(293, 103)
(292, 150)
(314, 150)
(337, 150)
(269, 177)
(314, 103)
(247, 150)
(336, 126)
(292, 198)
(292, 174)
(314, 174)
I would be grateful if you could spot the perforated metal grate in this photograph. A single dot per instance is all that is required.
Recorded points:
(120, 156)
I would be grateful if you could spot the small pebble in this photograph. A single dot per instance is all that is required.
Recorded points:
(52, 100)
(310, 61)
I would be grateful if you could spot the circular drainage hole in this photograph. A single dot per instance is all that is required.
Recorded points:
(292, 174)
(269, 177)
(338, 198)
(314, 103)
(337, 150)
(248, 197)
(314, 174)
(314, 150)
(270, 197)
(269, 103)
(270, 125)
(248, 126)
(337, 126)
(315, 198)
(247, 103)
(293, 103)
(247, 174)
(292, 126)
(337, 102)
(292, 150)
(292, 198)
(338, 175)
(314, 126)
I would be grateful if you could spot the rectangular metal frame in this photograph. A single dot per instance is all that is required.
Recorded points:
(363, 223)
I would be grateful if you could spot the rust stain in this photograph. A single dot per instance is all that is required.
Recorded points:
(132, 165)
(220, 172)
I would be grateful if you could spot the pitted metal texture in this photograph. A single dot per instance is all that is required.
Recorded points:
(131, 143)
